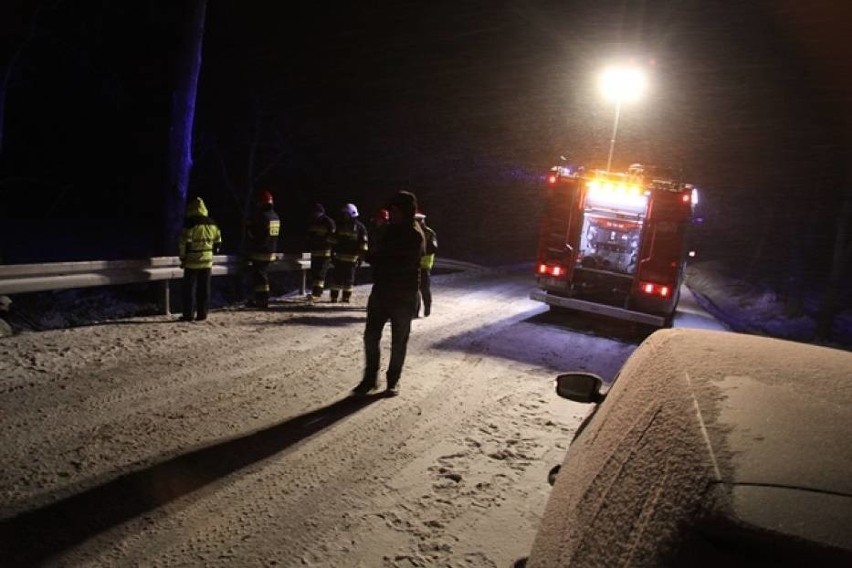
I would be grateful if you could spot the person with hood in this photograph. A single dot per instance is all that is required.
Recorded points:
(395, 260)
(262, 231)
(199, 240)
(320, 234)
(349, 246)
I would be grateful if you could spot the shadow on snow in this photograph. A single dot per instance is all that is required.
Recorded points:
(32, 537)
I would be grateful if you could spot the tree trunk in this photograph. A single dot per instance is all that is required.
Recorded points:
(839, 262)
(180, 135)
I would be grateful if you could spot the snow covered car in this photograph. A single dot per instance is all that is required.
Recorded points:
(710, 449)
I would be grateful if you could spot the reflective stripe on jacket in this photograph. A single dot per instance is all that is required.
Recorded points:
(320, 233)
(428, 259)
(199, 240)
(262, 232)
(350, 241)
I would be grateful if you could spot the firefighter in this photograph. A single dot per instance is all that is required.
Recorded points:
(349, 246)
(262, 231)
(320, 233)
(378, 221)
(199, 240)
(426, 263)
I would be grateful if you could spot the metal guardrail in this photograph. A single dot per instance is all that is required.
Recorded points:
(25, 278)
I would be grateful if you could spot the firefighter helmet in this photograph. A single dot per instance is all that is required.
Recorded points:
(382, 216)
(351, 210)
(420, 215)
(264, 197)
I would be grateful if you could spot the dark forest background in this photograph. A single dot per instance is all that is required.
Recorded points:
(468, 104)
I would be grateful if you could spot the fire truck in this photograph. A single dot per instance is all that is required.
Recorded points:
(614, 243)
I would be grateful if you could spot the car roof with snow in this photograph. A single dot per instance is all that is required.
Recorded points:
(709, 441)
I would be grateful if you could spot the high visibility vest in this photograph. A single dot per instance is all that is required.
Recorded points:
(197, 243)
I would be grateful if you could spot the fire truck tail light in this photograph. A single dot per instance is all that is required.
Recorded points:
(551, 179)
(554, 270)
(653, 289)
(686, 198)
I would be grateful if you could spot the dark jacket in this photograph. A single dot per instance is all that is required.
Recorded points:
(395, 259)
(349, 241)
(320, 234)
(262, 231)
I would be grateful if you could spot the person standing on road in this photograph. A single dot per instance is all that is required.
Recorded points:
(262, 231)
(199, 240)
(395, 260)
(426, 264)
(349, 246)
(320, 234)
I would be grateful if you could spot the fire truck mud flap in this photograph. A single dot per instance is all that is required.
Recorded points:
(600, 309)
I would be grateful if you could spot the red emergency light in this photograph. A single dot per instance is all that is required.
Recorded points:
(654, 289)
(551, 179)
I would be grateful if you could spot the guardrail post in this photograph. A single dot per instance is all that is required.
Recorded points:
(304, 282)
(165, 305)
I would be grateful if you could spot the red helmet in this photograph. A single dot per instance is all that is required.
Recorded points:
(264, 197)
(382, 215)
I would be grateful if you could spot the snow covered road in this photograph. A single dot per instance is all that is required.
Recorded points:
(234, 441)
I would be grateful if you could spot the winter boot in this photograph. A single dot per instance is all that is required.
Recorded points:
(347, 295)
(334, 294)
(392, 390)
(393, 385)
(261, 300)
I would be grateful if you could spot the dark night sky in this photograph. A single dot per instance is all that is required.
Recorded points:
(466, 103)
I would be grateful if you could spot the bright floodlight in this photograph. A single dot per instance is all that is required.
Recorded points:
(623, 83)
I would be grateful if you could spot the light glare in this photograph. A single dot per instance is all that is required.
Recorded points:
(622, 84)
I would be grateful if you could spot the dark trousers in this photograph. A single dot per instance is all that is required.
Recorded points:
(425, 296)
(319, 269)
(196, 292)
(260, 282)
(399, 310)
(343, 279)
